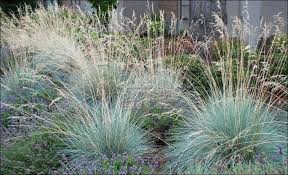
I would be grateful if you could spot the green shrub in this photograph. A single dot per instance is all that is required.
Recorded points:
(156, 28)
(158, 119)
(235, 47)
(104, 6)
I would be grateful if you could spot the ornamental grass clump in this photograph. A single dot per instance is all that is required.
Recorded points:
(228, 129)
(158, 97)
(157, 83)
(238, 119)
(98, 78)
(90, 130)
(22, 86)
(106, 83)
(49, 37)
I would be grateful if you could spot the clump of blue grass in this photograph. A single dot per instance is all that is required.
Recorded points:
(90, 83)
(90, 130)
(229, 129)
(21, 82)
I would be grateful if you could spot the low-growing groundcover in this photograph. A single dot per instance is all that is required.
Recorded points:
(116, 164)
(100, 105)
(39, 154)
(36, 154)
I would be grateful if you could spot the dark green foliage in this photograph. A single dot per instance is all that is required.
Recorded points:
(33, 155)
(159, 120)
(236, 48)
(9, 6)
(194, 75)
(104, 5)
(156, 28)
(272, 51)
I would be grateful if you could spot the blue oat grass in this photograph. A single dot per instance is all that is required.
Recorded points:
(228, 129)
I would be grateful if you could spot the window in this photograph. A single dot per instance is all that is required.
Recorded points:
(193, 9)
(185, 9)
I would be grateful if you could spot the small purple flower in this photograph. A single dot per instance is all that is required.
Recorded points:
(91, 170)
(113, 159)
(274, 157)
(123, 171)
(258, 158)
(125, 157)
(132, 169)
(280, 149)
(139, 159)
(110, 172)
(156, 164)
(151, 167)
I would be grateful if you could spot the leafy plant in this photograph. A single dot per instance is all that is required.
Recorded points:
(103, 8)
(36, 154)
(23, 89)
(278, 46)
(158, 120)
(104, 5)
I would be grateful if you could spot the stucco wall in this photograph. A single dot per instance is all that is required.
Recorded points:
(258, 10)
(233, 9)
(270, 8)
(138, 6)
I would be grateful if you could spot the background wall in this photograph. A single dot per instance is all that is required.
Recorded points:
(138, 6)
(272, 7)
